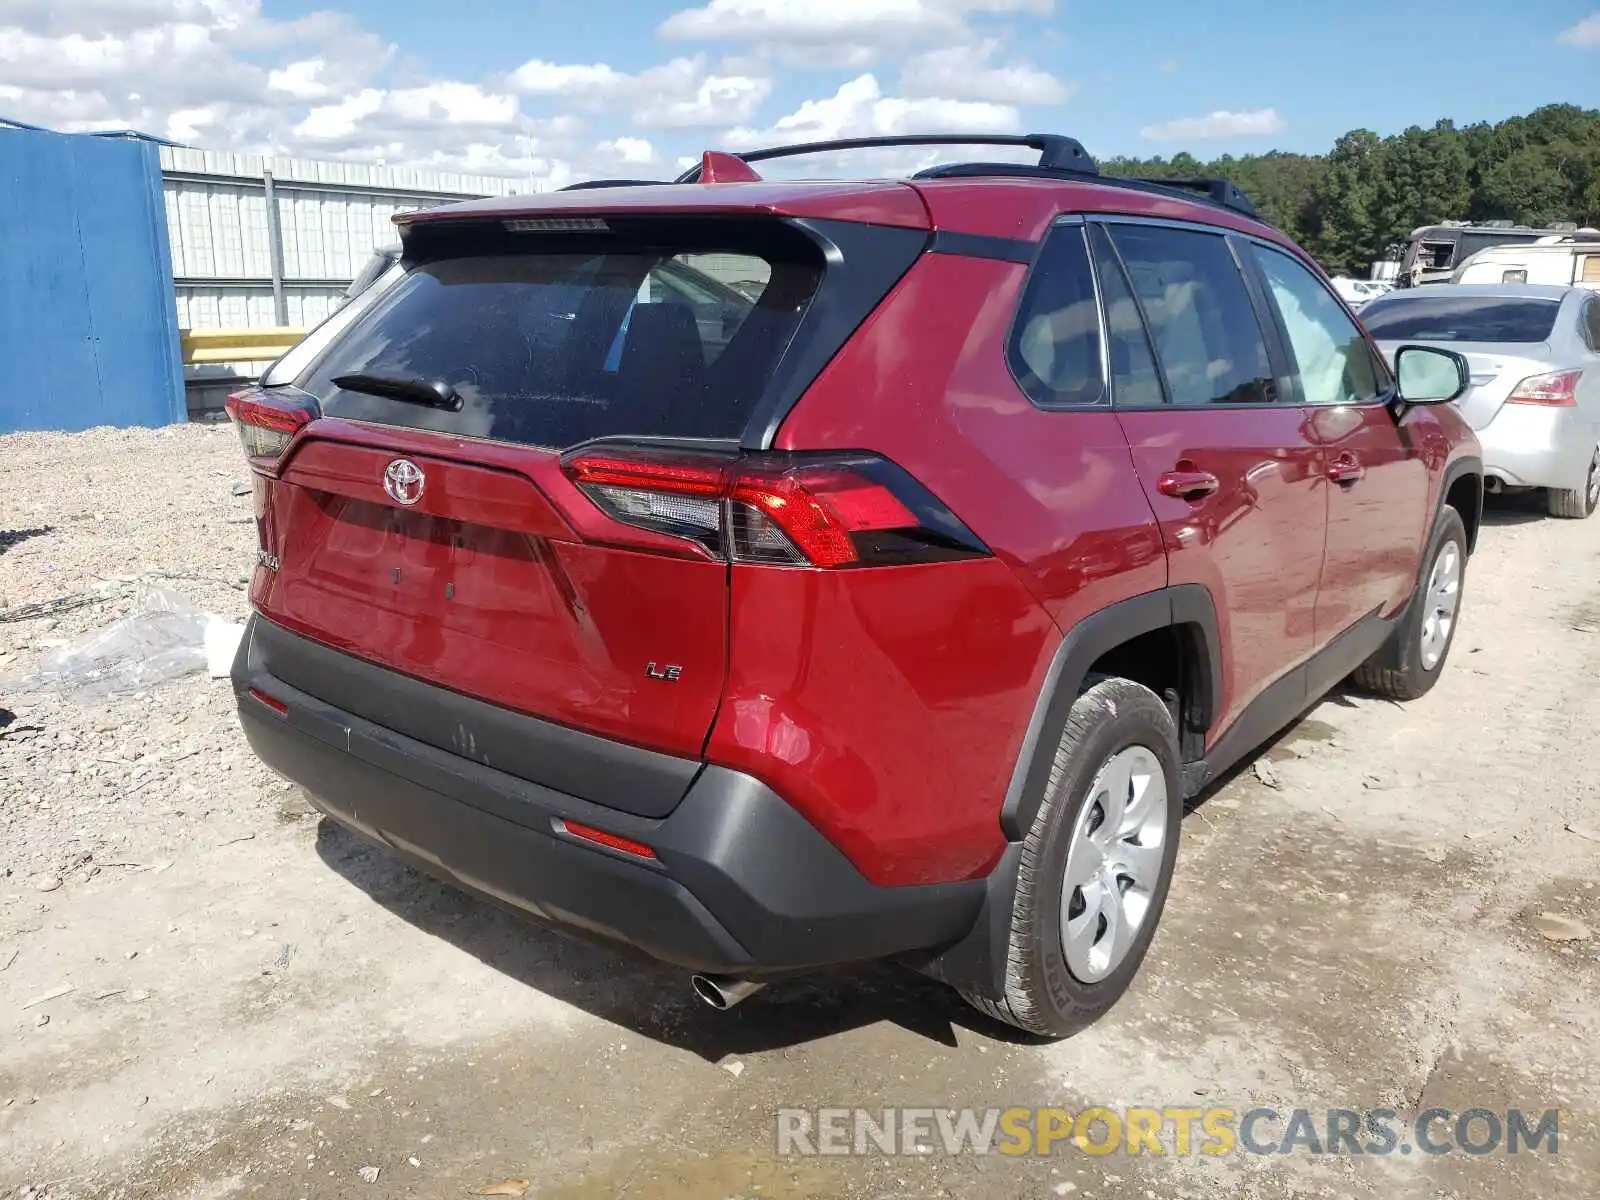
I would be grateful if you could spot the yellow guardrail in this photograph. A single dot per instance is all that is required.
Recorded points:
(237, 345)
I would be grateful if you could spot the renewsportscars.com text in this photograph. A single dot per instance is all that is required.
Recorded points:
(1176, 1131)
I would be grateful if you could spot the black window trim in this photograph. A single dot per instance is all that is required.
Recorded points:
(1144, 323)
(1277, 362)
(1104, 403)
(1280, 354)
(1382, 376)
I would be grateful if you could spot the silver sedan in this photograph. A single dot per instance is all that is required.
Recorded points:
(1534, 402)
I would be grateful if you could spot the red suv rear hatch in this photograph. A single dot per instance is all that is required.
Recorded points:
(420, 518)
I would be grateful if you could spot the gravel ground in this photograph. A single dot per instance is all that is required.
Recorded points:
(86, 523)
(207, 992)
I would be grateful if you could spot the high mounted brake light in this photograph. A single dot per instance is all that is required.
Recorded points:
(267, 424)
(793, 510)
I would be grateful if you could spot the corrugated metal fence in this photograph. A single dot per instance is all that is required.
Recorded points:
(260, 242)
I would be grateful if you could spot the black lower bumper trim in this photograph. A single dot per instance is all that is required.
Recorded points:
(742, 883)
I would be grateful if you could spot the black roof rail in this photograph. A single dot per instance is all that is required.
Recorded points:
(610, 183)
(1060, 157)
(1057, 152)
(1216, 191)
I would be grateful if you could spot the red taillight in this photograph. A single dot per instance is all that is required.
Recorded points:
(267, 424)
(1557, 389)
(600, 837)
(779, 509)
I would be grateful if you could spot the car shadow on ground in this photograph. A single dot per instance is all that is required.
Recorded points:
(15, 537)
(653, 1000)
(1522, 508)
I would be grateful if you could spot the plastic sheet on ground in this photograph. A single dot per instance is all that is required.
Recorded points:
(166, 638)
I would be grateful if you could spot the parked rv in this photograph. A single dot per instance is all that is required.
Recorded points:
(1433, 251)
(1569, 260)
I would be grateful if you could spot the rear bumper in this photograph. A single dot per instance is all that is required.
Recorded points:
(1529, 446)
(741, 884)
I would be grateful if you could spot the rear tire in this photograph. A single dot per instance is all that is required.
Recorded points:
(1577, 503)
(1110, 820)
(1408, 664)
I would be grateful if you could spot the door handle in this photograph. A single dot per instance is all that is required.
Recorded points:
(1346, 468)
(1187, 485)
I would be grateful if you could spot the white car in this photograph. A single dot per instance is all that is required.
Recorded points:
(1534, 351)
(1359, 292)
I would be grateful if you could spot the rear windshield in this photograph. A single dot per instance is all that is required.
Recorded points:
(1461, 318)
(577, 338)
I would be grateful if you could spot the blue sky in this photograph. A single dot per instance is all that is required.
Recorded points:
(557, 90)
(1325, 68)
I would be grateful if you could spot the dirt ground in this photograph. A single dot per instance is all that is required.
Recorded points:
(262, 1007)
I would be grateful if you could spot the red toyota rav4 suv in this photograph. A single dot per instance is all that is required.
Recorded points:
(769, 575)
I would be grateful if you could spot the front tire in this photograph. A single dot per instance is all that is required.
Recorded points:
(1577, 503)
(1408, 664)
(1096, 864)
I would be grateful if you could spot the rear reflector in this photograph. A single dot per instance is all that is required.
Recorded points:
(272, 702)
(780, 509)
(268, 423)
(600, 837)
(1557, 389)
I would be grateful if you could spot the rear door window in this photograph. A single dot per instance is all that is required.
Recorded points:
(1055, 343)
(569, 342)
(1199, 312)
(1135, 378)
(1331, 356)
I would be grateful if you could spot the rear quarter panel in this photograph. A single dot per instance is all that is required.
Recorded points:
(911, 723)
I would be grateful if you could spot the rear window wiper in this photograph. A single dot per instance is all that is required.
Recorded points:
(433, 393)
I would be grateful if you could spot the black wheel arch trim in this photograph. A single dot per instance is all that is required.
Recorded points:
(1086, 642)
(1466, 464)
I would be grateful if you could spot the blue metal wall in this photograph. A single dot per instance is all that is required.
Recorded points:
(88, 328)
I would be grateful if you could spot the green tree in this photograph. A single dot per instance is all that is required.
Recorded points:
(1346, 229)
(1368, 192)
(1423, 179)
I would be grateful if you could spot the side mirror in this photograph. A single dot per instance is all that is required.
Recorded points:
(1426, 375)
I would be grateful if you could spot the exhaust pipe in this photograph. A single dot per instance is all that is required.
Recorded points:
(722, 992)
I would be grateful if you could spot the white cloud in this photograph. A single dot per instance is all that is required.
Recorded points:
(829, 21)
(681, 94)
(859, 108)
(1585, 35)
(717, 100)
(340, 120)
(1260, 122)
(302, 79)
(194, 124)
(630, 150)
(539, 78)
(224, 75)
(964, 72)
(452, 103)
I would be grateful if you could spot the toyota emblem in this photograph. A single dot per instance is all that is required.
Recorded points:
(403, 480)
